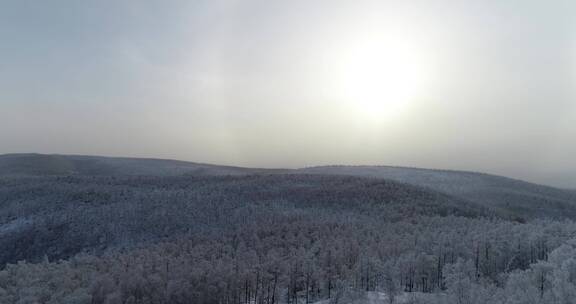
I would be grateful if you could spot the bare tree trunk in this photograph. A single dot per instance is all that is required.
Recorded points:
(274, 289)
(246, 291)
(257, 285)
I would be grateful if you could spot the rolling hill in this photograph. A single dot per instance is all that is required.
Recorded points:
(62, 216)
(506, 196)
(515, 197)
(85, 229)
(44, 164)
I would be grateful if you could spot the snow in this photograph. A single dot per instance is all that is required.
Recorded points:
(373, 297)
(14, 225)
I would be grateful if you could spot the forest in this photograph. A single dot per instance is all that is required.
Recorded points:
(272, 239)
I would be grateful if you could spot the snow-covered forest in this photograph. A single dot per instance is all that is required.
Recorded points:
(272, 239)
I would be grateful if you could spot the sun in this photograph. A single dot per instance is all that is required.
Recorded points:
(376, 73)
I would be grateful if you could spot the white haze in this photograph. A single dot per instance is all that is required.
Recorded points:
(249, 83)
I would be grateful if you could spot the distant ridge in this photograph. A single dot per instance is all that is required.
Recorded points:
(504, 195)
(509, 195)
(55, 164)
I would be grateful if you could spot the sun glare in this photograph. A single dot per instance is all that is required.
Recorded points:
(377, 74)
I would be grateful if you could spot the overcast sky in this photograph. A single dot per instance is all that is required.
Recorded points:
(485, 85)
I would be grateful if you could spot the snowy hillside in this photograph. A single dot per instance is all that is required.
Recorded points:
(43, 164)
(509, 195)
(505, 196)
(94, 230)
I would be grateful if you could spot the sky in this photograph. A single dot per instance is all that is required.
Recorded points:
(484, 86)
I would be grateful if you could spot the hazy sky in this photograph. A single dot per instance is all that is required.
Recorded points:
(475, 85)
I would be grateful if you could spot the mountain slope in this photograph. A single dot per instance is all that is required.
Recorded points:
(62, 216)
(509, 195)
(503, 195)
(42, 164)
(158, 231)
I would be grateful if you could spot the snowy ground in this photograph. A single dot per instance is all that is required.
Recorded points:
(380, 298)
